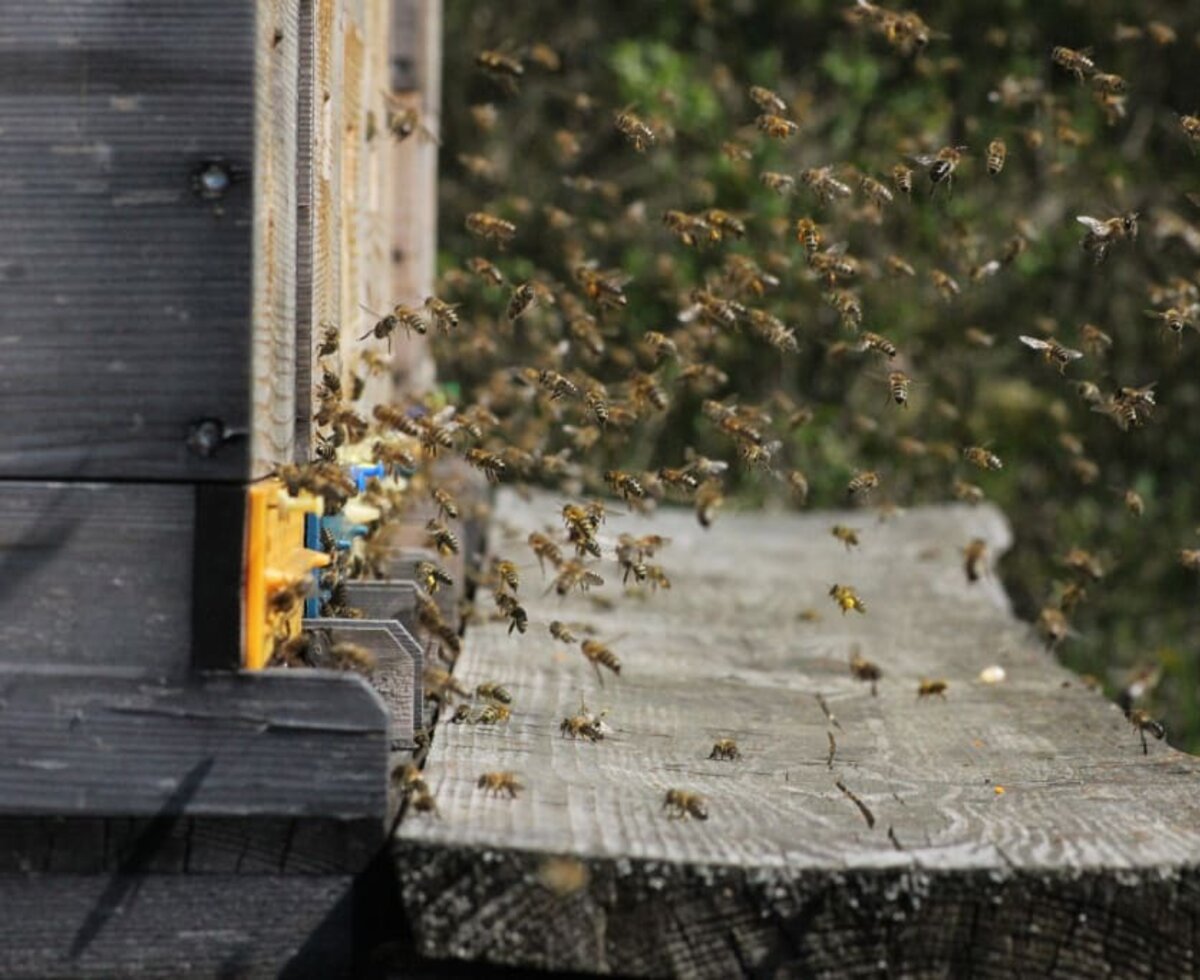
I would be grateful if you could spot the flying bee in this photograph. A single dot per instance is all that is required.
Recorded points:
(408, 317)
(847, 535)
(503, 68)
(781, 184)
(634, 130)
(557, 385)
(446, 505)
(441, 538)
(898, 385)
(820, 181)
(798, 483)
(997, 152)
(876, 192)
(1134, 503)
(496, 783)
(1189, 558)
(725, 750)
(942, 165)
(726, 225)
(443, 315)
(660, 346)
(932, 689)
(969, 493)
(574, 574)
(877, 343)
(1053, 353)
(605, 289)
(514, 612)
(562, 632)
(505, 572)
(1142, 723)
(431, 577)
(351, 656)
(767, 100)
(690, 229)
(625, 485)
(808, 232)
(1191, 129)
(599, 655)
(1173, 319)
(679, 479)
(1078, 63)
(982, 458)
(834, 263)
(1106, 84)
(867, 671)
(1094, 340)
(945, 284)
(490, 228)
(847, 599)
(974, 555)
(1102, 234)
(776, 127)
(486, 271)
(544, 550)
(1079, 560)
(682, 803)
(522, 298)
(902, 177)
(861, 484)
(708, 501)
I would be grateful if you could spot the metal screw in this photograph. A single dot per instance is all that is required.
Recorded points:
(205, 437)
(212, 179)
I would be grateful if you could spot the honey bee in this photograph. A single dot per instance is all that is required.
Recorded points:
(682, 803)
(848, 306)
(975, 555)
(942, 165)
(496, 783)
(522, 298)
(861, 484)
(896, 266)
(898, 385)
(1106, 84)
(709, 499)
(1128, 406)
(431, 577)
(767, 100)
(847, 535)
(443, 315)
(876, 192)
(847, 599)
(776, 127)
(867, 671)
(1052, 624)
(997, 152)
(1101, 235)
(562, 632)
(440, 684)
(932, 688)
(724, 224)
(513, 611)
(490, 464)
(486, 271)
(822, 183)
(725, 750)
(902, 177)
(979, 338)
(574, 574)
(781, 184)
(1134, 503)
(403, 121)
(493, 714)
(331, 335)
(490, 228)
(1094, 340)
(945, 284)
(1142, 723)
(798, 483)
(1173, 319)
(625, 485)
(1078, 63)
(634, 130)
(1189, 558)
(462, 714)
(504, 68)
(408, 317)
(690, 229)
(809, 234)
(599, 655)
(877, 343)
(982, 458)
(441, 538)
(1053, 353)
(1191, 129)
(505, 572)
(545, 550)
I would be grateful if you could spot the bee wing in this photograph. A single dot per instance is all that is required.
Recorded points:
(1093, 225)
(1071, 355)
(837, 249)
(1034, 342)
(925, 159)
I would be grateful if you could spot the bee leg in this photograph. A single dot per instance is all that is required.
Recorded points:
(599, 675)
(1145, 747)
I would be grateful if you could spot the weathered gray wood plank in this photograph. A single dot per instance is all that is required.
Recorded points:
(169, 926)
(1091, 842)
(93, 742)
(119, 279)
(96, 574)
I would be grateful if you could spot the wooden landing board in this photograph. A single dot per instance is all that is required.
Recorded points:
(1016, 826)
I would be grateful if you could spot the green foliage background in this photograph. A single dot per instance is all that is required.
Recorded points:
(689, 64)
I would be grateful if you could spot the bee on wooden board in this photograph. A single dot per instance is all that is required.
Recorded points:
(932, 688)
(867, 671)
(682, 803)
(847, 599)
(725, 750)
(504, 783)
(1142, 723)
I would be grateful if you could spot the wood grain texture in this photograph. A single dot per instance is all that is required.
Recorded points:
(96, 574)
(1086, 862)
(273, 314)
(78, 742)
(172, 926)
(125, 313)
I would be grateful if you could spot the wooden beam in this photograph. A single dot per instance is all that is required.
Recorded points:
(311, 744)
(1004, 804)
